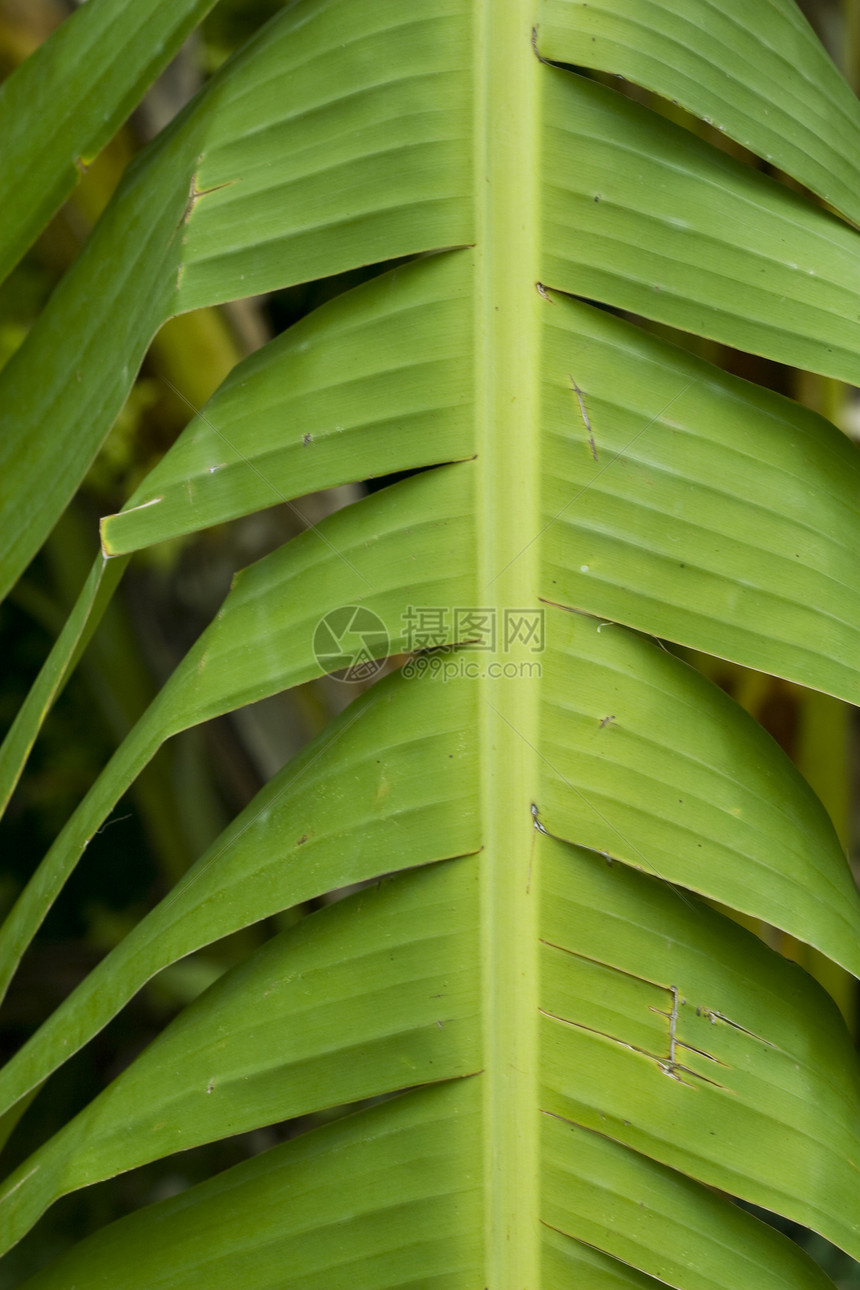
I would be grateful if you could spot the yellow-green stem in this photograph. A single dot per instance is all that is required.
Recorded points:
(507, 398)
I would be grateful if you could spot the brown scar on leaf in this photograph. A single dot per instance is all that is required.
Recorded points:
(670, 1067)
(196, 193)
(714, 1016)
(535, 814)
(687, 1070)
(701, 1052)
(592, 1030)
(612, 967)
(535, 48)
(584, 413)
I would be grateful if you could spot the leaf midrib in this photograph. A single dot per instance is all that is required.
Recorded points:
(506, 404)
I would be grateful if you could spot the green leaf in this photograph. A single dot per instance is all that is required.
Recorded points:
(372, 163)
(660, 1017)
(61, 106)
(70, 644)
(653, 1218)
(639, 213)
(389, 972)
(759, 562)
(756, 71)
(371, 554)
(397, 767)
(710, 803)
(399, 1168)
(376, 381)
(592, 1060)
(216, 218)
(403, 1210)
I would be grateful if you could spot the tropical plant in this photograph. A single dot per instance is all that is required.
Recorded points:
(570, 1060)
